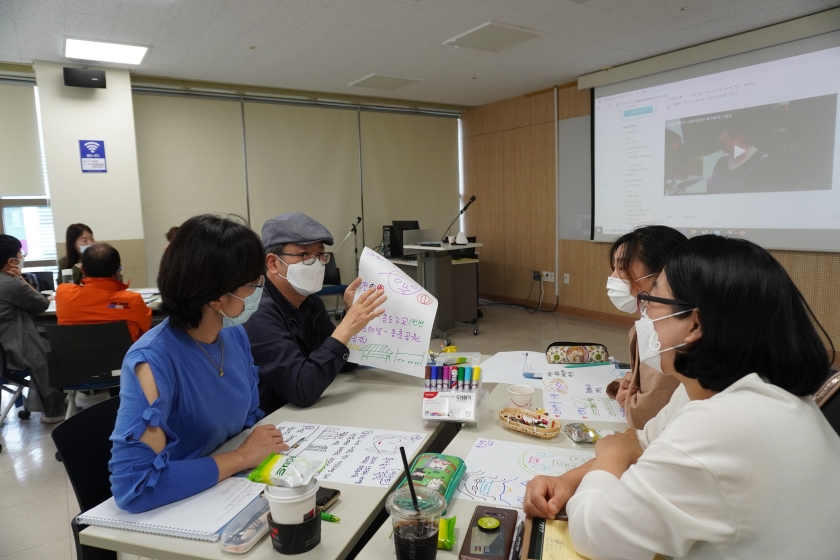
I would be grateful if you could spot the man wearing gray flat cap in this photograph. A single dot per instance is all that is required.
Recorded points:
(294, 343)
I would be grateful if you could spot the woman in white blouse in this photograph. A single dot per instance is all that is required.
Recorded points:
(741, 463)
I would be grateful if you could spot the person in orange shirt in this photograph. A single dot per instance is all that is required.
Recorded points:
(102, 298)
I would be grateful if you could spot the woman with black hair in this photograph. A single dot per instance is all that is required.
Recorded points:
(747, 468)
(636, 259)
(189, 385)
(77, 239)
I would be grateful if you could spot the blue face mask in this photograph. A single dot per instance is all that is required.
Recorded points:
(252, 302)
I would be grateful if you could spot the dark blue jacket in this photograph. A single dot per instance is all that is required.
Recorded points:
(297, 357)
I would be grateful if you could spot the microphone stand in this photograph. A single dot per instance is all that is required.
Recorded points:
(464, 209)
(353, 230)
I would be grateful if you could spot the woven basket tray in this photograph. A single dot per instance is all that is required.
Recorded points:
(508, 417)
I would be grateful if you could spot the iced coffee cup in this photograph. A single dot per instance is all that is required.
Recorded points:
(415, 533)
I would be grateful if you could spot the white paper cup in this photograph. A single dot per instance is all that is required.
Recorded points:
(521, 396)
(451, 239)
(291, 506)
(67, 275)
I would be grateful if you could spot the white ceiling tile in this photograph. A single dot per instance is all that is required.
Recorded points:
(223, 31)
(248, 12)
(8, 36)
(86, 26)
(150, 4)
(41, 10)
(32, 31)
(51, 50)
(10, 55)
(195, 14)
(134, 21)
(103, 8)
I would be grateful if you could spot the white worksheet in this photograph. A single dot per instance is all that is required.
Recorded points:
(579, 392)
(352, 455)
(504, 367)
(497, 471)
(399, 339)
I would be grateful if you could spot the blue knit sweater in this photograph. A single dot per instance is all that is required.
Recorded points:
(197, 409)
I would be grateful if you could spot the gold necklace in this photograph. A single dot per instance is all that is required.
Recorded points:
(222, 363)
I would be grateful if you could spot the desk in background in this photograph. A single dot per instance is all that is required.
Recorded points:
(368, 398)
(382, 547)
(435, 273)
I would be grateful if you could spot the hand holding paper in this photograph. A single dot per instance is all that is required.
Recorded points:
(398, 339)
(368, 306)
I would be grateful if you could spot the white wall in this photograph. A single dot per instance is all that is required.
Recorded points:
(108, 202)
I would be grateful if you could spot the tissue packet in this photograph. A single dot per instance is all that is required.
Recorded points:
(286, 471)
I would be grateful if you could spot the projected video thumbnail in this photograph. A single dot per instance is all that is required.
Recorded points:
(768, 148)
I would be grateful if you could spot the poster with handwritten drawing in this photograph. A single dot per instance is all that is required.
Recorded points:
(399, 339)
(497, 471)
(577, 393)
(352, 455)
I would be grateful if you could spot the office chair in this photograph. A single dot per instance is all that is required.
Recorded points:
(13, 382)
(333, 285)
(828, 401)
(82, 357)
(84, 443)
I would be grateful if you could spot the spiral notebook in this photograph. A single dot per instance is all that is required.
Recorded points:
(199, 517)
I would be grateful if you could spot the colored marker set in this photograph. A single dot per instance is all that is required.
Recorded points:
(465, 379)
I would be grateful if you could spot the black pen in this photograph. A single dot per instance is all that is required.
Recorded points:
(517, 541)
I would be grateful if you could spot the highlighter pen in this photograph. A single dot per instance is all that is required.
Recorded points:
(445, 378)
(476, 378)
(329, 517)
(428, 377)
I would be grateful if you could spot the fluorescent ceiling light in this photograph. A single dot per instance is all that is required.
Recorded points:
(383, 81)
(493, 37)
(104, 52)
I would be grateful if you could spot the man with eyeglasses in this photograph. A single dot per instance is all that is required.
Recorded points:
(293, 341)
(102, 297)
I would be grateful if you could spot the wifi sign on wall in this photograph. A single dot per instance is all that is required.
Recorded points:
(92, 153)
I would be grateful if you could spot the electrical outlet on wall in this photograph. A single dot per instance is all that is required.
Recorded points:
(547, 276)
(535, 276)
(566, 278)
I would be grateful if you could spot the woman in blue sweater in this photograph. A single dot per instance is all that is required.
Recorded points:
(188, 385)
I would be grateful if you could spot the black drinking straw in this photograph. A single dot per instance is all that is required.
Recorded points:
(410, 483)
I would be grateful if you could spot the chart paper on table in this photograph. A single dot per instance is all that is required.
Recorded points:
(352, 455)
(504, 367)
(399, 339)
(580, 393)
(497, 471)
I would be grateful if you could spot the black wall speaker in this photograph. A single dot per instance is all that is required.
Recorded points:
(82, 77)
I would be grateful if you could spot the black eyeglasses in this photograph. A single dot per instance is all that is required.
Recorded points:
(644, 298)
(323, 257)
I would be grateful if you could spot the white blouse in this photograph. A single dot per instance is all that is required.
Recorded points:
(753, 472)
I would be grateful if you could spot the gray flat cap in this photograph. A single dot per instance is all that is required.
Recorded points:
(294, 227)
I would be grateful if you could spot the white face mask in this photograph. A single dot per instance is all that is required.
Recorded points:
(618, 290)
(306, 279)
(83, 248)
(20, 263)
(647, 340)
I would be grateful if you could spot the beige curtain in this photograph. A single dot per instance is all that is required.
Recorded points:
(409, 171)
(305, 159)
(20, 150)
(191, 162)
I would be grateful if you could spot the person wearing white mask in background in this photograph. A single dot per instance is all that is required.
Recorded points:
(297, 348)
(77, 239)
(636, 259)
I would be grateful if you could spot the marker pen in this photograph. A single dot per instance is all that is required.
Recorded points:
(446, 378)
(439, 377)
(460, 379)
(476, 378)
(433, 378)
(467, 378)
(428, 377)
